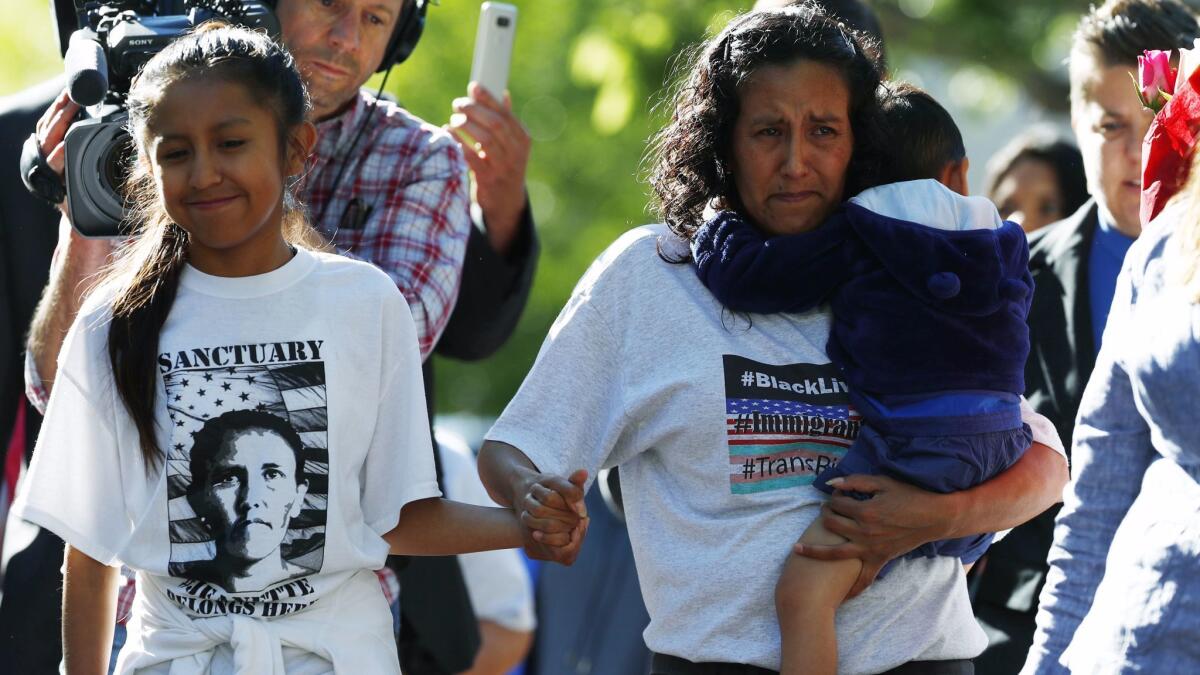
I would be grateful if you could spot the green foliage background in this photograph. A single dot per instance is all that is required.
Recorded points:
(586, 77)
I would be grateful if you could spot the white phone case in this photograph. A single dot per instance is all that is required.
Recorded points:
(493, 47)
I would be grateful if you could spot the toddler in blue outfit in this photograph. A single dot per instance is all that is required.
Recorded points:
(929, 291)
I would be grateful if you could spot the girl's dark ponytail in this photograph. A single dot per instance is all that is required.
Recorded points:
(138, 315)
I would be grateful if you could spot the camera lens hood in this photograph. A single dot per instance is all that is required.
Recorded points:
(98, 152)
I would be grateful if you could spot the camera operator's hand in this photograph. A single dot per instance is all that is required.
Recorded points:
(52, 129)
(497, 158)
(76, 261)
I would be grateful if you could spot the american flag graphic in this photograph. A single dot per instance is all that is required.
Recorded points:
(784, 424)
(741, 406)
(294, 392)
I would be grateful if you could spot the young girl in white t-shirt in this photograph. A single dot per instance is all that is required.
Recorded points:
(236, 417)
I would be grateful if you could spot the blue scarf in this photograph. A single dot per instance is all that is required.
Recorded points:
(749, 272)
(915, 309)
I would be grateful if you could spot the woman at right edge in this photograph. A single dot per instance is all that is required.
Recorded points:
(1122, 594)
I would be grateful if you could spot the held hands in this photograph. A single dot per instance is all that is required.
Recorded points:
(554, 518)
(497, 157)
(897, 519)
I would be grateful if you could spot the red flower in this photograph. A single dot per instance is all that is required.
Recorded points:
(1167, 149)
(1156, 78)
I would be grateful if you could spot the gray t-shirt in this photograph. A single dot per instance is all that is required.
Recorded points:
(720, 422)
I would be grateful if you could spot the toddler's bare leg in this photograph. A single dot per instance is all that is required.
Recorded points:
(806, 597)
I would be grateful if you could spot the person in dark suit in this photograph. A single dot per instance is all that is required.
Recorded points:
(1075, 263)
(29, 612)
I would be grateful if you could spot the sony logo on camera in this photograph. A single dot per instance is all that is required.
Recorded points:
(114, 40)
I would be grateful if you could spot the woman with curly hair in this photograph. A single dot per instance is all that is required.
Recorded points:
(721, 420)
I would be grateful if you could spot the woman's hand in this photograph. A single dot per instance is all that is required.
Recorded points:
(550, 508)
(900, 517)
(554, 517)
(897, 519)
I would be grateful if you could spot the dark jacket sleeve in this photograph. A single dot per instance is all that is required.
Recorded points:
(493, 294)
(30, 615)
(1060, 362)
(28, 233)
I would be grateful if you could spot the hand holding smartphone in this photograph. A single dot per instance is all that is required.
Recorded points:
(493, 47)
(494, 143)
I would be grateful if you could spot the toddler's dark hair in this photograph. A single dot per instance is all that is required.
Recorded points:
(922, 138)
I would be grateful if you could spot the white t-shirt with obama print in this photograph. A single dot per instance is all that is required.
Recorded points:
(720, 422)
(291, 414)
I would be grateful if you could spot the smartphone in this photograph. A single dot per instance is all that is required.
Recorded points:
(493, 47)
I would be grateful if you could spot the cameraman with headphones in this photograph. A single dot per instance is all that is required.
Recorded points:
(388, 188)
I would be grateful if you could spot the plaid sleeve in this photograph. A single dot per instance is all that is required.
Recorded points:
(126, 593)
(35, 391)
(389, 583)
(417, 229)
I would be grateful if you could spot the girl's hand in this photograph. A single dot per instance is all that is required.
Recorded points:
(897, 519)
(554, 517)
(540, 500)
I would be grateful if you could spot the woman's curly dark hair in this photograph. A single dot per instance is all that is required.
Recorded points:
(691, 156)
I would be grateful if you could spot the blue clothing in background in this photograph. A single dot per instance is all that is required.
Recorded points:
(534, 568)
(929, 292)
(1104, 264)
(1123, 593)
(591, 615)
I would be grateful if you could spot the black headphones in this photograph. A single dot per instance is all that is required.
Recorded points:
(405, 34)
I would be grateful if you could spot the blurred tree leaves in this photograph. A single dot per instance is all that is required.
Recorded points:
(605, 64)
(28, 45)
(584, 79)
(1026, 41)
(586, 76)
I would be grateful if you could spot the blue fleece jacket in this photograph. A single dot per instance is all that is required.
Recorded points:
(929, 303)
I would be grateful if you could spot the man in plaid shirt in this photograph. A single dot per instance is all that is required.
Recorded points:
(383, 186)
(401, 196)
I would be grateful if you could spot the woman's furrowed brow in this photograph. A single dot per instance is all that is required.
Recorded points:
(765, 118)
(827, 118)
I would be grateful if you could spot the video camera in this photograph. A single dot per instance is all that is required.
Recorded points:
(113, 41)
